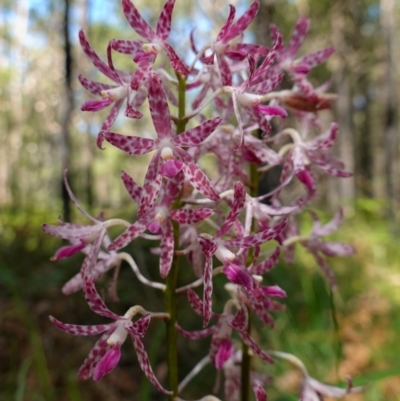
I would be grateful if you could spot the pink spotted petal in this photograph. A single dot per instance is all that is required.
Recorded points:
(158, 107)
(317, 58)
(108, 362)
(322, 230)
(133, 145)
(154, 227)
(242, 23)
(97, 62)
(273, 111)
(164, 21)
(240, 321)
(195, 302)
(325, 140)
(208, 288)
(128, 235)
(260, 393)
(267, 264)
(172, 189)
(195, 136)
(95, 355)
(228, 23)
(239, 276)
(94, 87)
(151, 187)
(72, 231)
(139, 328)
(95, 302)
(144, 66)
(69, 250)
(239, 199)
(90, 260)
(78, 330)
(109, 121)
(200, 181)
(208, 246)
(224, 70)
(225, 351)
(136, 21)
(96, 104)
(249, 341)
(167, 248)
(145, 365)
(131, 112)
(326, 269)
(258, 238)
(176, 63)
(298, 36)
(195, 335)
(190, 216)
(274, 291)
(123, 46)
(134, 190)
(170, 168)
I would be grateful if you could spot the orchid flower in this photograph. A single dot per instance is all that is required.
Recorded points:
(157, 41)
(170, 157)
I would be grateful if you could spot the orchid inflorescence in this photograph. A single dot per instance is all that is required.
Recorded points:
(238, 114)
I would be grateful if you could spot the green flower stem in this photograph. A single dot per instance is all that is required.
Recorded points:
(246, 358)
(171, 281)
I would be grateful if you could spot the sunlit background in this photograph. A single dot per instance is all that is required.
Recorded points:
(355, 331)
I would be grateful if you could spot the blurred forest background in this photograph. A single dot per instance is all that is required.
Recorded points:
(43, 131)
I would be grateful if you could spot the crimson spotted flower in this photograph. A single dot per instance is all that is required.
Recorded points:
(218, 247)
(221, 348)
(113, 94)
(159, 219)
(106, 353)
(170, 157)
(156, 41)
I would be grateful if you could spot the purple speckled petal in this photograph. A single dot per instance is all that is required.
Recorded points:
(72, 231)
(242, 23)
(239, 199)
(239, 276)
(95, 355)
(128, 235)
(195, 302)
(159, 107)
(273, 111)
(190, 216)
(317, 58)
(95, 104)
(224, 70)
(151, 187)
(325, 140)
(258, 238)
(267, 264)
(141, 73)
(69, 250)
(139, 328)
(260, 393)
(195, 335)
(208, 288)
(325, 268)
(208, 246)
(176, 63)
(95, 302)
(195, 136)
(97, 62)
(320, 230)
(255, 347)
(167, 248)
(139, 25)
(164, 21)
(94, 87)
(225, 351)
(109, 121)
(200, 181)
(145, 365)
(133, 145)
(297, 39)
(79, 330)
(227, 24)
(134, 190)
(124, 46)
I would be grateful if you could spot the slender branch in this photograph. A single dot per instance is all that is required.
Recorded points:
(200, 365)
